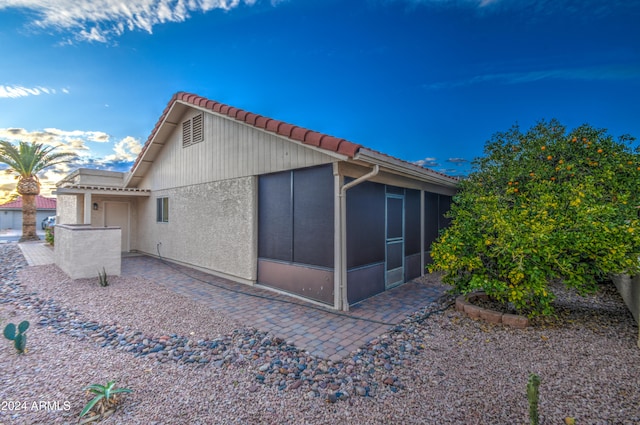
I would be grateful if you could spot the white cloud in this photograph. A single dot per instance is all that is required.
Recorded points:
(66, 141)
(126, 150)
(610, 73)
(101, 20)
(21, 91)
(427, 162)
(79, 142)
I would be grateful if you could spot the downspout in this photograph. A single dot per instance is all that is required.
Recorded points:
(342, 195)
(423, 259)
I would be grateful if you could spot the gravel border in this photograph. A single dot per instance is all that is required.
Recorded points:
(437, 368)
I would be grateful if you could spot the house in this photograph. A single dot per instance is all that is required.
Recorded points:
(264, 202)
(11, 212)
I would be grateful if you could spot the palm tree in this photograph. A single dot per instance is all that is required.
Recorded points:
(25, 161)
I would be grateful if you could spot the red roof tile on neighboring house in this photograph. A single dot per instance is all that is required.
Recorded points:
(42, 203)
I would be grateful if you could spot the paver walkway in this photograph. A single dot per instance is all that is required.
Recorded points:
(37, 253)
(320, 331)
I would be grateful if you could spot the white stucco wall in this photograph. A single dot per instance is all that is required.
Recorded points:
(83, 251)
(211, 226)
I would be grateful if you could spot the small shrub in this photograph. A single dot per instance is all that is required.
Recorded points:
(105, 401)
(102, 278)
(17, 335)
(49, 235)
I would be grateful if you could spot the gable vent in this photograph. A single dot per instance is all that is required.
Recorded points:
(197, 129)
(193, 130)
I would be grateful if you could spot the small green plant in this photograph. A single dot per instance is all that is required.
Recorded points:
(533, 395)
(104, 402)
(17, 335)
(102, 278)
(49, 235)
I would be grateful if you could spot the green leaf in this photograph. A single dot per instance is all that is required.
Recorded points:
(10, 331)
(23, 326)
(90, 405)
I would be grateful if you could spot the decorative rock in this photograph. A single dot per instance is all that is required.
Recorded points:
(388, 381)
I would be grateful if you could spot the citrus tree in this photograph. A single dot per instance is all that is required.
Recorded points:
(543, 206)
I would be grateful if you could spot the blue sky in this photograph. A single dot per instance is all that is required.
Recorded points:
(427, 81)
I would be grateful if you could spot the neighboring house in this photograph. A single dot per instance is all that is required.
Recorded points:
(260, 201)
(11, 212)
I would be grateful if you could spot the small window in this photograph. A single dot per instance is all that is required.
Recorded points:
(193, 130)
(162, 210)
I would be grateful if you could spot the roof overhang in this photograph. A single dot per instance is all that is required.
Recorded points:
(405, 169)
(101, 190)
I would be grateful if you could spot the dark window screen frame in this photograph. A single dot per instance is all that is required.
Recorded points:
(295, 216)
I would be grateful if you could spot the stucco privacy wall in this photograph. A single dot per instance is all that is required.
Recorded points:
(68, 209)
(211, 226)
(83, 251)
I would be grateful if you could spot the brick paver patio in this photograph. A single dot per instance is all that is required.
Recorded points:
(320, 331)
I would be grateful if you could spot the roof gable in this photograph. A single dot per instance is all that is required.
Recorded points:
(329, 144)
(281, 128)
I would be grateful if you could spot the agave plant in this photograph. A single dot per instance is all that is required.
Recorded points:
(105, 400)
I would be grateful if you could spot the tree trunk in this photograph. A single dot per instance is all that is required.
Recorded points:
(29, 218)
(28, 188)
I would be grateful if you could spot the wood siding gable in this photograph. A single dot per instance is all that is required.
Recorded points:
(230, 149)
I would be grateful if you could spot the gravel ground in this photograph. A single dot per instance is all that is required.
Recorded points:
(441, 368)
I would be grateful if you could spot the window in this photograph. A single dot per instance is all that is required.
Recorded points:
(162, 210)
(193, 131)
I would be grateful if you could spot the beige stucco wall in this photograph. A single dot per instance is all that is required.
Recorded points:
(68, 209)
(211, 226)
(83, 251)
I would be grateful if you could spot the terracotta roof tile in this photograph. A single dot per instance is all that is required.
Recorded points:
(251, 118)
(313, 138)
(242, 115)
(348, 149)
(41, 203)
(232, 112)
(261, 122)
(285, 129)
(299, 133)
(330, 143)
(273, 125)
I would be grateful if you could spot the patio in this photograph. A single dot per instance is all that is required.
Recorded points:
(322, 332)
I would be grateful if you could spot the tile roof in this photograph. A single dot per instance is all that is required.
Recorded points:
(300, 134)
(41, 203)
(294, 132)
